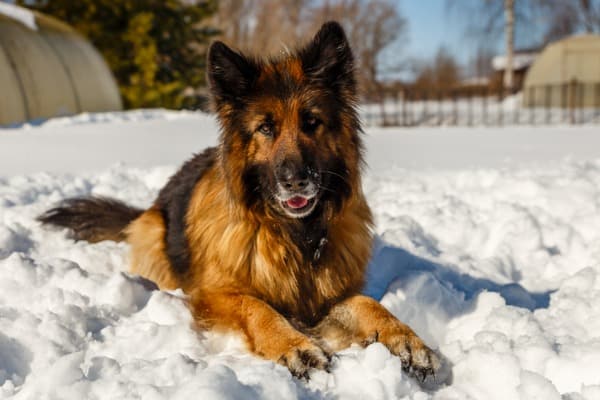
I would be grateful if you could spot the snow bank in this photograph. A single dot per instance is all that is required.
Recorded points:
(497, 267)
(147, 138)
(93, 141)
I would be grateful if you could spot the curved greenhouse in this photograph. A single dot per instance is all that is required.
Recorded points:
(565, 74)
(48, 70)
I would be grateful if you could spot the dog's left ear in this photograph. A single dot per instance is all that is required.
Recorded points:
(328, 57)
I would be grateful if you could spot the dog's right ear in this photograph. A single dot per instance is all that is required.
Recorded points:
(230, 74)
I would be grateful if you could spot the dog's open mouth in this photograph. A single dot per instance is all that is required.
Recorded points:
(297, 202)
(299, 206)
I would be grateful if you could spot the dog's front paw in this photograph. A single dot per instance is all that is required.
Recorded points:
(416, 357)
(300, 359)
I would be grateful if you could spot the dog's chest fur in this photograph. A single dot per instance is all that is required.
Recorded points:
(300, 268)
(299, 271)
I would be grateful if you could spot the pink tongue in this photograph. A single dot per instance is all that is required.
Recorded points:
(297, 202)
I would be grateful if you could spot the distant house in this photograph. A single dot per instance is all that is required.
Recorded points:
(47, 69)
(522, 61)
(566, 74)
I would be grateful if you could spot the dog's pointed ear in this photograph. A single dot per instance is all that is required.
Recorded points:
(328, 56)
(230, 74)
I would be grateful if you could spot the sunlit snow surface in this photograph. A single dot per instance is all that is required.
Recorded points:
(496, 263)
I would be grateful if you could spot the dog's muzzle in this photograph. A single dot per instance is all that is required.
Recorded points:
(297, 189)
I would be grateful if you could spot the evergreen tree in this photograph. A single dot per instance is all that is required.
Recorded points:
(155, 48)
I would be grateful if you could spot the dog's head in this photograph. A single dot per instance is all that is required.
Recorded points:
(290, 132)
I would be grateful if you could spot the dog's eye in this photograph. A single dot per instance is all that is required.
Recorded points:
(266, 129)
(310, 123)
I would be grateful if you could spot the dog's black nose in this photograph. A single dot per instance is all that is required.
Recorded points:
(292, 176)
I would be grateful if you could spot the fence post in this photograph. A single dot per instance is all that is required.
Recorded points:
(470, 108)
(580, 97)
(484, 117)
(396, 109)
(404, 93)
(384, 114)
(516, 110)
(454, 108)
(548, 101)
(533, 105)
(440, 110)
(564, 104)
(412, 107)
(597, 101)
(409, 104)
(424, 99)
(572, 93)
(501, 108)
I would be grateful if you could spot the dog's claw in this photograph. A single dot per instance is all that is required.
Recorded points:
(421, 373)
(417, 359)
(300, 360)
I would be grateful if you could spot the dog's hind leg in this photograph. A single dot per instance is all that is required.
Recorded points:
(267, 333)
(148, 258)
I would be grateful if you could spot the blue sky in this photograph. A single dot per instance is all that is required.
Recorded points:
(431, 25)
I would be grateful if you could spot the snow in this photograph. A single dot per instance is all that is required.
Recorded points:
(476, 81)
(488, 246)
(20, 14)
(520, 61)
(147, 138)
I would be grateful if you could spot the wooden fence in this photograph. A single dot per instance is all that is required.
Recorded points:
(570, 103)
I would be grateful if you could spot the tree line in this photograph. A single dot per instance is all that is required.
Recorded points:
(267, 26)
(156, 49)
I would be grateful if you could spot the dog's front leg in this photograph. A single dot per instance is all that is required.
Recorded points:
(267, 333)
(360, 319)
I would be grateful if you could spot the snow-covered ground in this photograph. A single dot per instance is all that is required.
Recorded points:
(489, 247)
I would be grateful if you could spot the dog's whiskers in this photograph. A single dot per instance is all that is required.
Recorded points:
(342, 177)
(325, 188)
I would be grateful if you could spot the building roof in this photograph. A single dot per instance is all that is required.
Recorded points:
(19, 14)
(520, 61)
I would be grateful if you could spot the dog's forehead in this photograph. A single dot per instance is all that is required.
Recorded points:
(282, 78)
(283, 86)
(285, 69)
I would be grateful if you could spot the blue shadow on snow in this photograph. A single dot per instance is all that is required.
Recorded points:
(390, 263)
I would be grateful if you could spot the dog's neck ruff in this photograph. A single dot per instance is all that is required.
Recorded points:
(319, 246)
(319, 249)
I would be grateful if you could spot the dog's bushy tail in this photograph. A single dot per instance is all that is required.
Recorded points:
(92, 219)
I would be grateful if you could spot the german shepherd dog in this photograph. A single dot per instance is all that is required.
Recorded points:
(269, 233)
